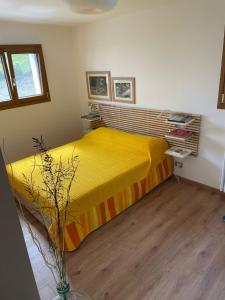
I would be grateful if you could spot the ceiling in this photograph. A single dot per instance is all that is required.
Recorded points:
(59, 11)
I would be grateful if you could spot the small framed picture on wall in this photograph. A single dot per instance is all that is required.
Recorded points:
(99, 85)
(123, 89)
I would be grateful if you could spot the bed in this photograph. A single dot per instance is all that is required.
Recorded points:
(115, 170)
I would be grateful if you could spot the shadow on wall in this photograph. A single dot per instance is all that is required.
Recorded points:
(213, 147)
(212, 142)
(207, 166)
(201, 169)
(210, 127)
(23, 146)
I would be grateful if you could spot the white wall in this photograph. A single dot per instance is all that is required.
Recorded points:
(59, 120)
(174, 51)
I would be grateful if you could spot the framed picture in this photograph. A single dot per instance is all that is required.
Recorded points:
(123, 89)
(98, 85)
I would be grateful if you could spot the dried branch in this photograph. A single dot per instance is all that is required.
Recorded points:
(50, 201)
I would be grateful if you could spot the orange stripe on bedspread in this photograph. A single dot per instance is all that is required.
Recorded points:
(83, 224)
(89, 223)
(143, 187)
(103, 214)
(72, 230)
(166, 168)
(136, 191)
(160, 172)
(111, 207)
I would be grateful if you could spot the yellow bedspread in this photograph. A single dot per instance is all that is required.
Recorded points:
(115, 170)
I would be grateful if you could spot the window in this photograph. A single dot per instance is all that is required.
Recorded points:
(221, 98)
(23, 79)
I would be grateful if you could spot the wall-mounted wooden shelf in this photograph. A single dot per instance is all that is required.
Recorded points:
(91, 117)
(178, 152)
(189, 119)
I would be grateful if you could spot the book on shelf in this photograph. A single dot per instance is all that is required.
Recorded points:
(180, 119)
(91, 117)
(178, 152)
(179, 134)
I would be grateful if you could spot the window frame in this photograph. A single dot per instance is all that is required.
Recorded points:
(221, 96)
(11, 80)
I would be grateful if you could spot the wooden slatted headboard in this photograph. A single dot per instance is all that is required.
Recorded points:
(145, 121)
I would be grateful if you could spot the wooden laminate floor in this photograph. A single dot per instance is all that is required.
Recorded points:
(169, 246)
